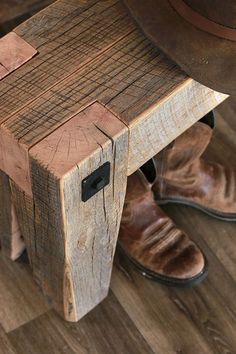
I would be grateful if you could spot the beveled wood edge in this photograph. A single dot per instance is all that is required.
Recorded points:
(159, 125)
(149, 133)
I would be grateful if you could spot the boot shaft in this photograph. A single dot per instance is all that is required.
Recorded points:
(181, 161)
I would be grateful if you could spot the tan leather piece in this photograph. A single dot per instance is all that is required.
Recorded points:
(150, 238)
(183, 175)
(14, 52)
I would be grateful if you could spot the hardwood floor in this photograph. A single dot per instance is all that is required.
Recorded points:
(138, 316)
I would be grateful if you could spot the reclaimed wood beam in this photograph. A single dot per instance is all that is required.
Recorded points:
(97, 94)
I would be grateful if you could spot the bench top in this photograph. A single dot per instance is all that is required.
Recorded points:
(92, 51)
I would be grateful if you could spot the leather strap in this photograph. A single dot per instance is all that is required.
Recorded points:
(14, 52)
(202, 22)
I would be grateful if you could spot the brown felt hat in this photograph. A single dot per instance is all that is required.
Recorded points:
(199, 35)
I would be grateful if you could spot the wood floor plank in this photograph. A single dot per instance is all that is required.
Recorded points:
(165, 327)
(20, 298)
(5, 344)
(101, 331)
(174, 316)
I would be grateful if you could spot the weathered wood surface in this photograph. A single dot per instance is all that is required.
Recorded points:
(91, 335)
(91, 57)
(71, 243)
(20, 299)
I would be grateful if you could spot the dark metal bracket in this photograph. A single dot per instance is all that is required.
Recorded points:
(95, 182)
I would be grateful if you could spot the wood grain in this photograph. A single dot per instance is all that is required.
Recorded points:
(200, 312)
(20, 298)
(6, 346)
(152, 130)
(14, 52)
(79, 32)
(154, 313)
(71, 244)
(57, 336)
(128, 79)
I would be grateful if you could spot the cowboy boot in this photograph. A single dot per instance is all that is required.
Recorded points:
(183, 176)
(153, 243)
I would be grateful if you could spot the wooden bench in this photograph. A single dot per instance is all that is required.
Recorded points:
(90, 102)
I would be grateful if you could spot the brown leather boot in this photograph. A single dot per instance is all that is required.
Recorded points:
(184, 177)
(153, 243)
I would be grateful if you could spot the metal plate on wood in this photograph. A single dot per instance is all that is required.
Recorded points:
(95, 182)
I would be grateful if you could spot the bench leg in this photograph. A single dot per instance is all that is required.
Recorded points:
(70, 234)
(12, 243)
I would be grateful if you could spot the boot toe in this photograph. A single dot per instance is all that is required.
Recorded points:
(154, 244)
(188, 264)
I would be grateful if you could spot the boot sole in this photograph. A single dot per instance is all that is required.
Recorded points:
(211, 212)
(167, 281)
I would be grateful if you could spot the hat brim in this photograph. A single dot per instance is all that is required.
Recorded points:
(206, 58)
